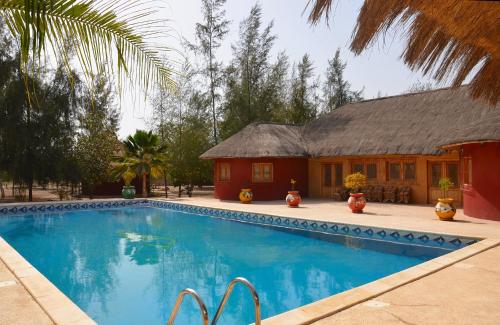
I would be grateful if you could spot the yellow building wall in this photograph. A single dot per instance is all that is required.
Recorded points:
(420, 191)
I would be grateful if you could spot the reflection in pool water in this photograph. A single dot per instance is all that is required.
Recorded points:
(127, 265)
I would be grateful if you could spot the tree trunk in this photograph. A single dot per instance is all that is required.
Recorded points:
(212, 93)
(2, 192)
(144, 183)
(29, 154)
(165, 185)
(30, 190)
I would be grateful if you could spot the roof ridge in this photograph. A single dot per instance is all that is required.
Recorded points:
(274, 123)
(408, 94)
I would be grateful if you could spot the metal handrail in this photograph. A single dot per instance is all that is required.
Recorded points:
(229, 289)
(178, 303)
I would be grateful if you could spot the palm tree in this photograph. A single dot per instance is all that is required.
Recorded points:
(143, 155)
(105, 35)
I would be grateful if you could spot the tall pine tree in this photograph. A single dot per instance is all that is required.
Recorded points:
(209, 36)
(246, 75)
(303, 102)
(336, 90)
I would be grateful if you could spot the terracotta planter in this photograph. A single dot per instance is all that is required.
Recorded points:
(445, 209)
(356, 202)
(128, 192)
(293, 199)
(246, 195)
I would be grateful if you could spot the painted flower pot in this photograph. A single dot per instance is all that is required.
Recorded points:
(128, 192)
(445, 209)
(356, 202)
(293, 199)
(246, 195)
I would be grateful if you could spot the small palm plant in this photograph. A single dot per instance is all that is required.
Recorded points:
(444, 184)
(143, 156)
(128, 176)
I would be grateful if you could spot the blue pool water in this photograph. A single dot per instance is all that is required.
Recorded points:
(127, 265)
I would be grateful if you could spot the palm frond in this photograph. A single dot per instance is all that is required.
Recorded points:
(105, 36)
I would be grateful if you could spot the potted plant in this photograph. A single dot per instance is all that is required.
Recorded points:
(246, 194)
(293, 198)
(128, 191)
(444, 208)
(357, 200)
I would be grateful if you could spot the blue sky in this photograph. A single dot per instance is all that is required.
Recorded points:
(379, 69)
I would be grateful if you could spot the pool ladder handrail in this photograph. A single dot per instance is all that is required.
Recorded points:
(229, 290)
(227, 294)
(180, 299)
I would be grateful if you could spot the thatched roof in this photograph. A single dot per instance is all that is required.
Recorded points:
(445, 37)
(411, 124)
(484, 130)
(261, 140)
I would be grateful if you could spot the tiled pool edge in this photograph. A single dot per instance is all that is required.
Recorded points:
(405, 236)
(329, 306)
(439, 240)
(58, 307)
(63, 311)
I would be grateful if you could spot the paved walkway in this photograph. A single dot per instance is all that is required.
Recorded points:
(17, 306)
(465, 293)
(399, 216)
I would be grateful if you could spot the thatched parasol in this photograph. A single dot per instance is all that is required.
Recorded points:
(445, 37)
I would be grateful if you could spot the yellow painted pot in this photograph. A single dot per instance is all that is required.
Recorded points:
(246, 195)
(445, 209)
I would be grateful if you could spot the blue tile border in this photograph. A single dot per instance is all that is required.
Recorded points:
(365, 232)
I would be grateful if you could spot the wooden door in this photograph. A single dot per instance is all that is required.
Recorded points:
(338, 177)
(326, 181)
(436, 171)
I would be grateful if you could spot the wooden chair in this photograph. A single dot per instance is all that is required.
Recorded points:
(341, 194)
(378, 193)
(368, 191)
(390, 194)
(404, 195)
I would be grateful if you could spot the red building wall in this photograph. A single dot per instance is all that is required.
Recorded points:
(482, 197)
(284, 169)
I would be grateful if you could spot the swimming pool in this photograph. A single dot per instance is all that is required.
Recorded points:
(124, 262)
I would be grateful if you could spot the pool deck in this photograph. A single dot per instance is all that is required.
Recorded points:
(458, 288)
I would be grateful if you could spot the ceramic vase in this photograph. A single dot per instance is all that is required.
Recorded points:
(293, 199)
(246, 195)
(445, 209)
(356, 202)
(128, 192)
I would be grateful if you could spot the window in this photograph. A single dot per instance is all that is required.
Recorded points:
(327, 175)
(339, 177)
(358, 168)
(371, 171)
(262, 172)
(409, 171)
(452, 173)
(224, 172)
(468, 170)
(394, 171)
(435, 174)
